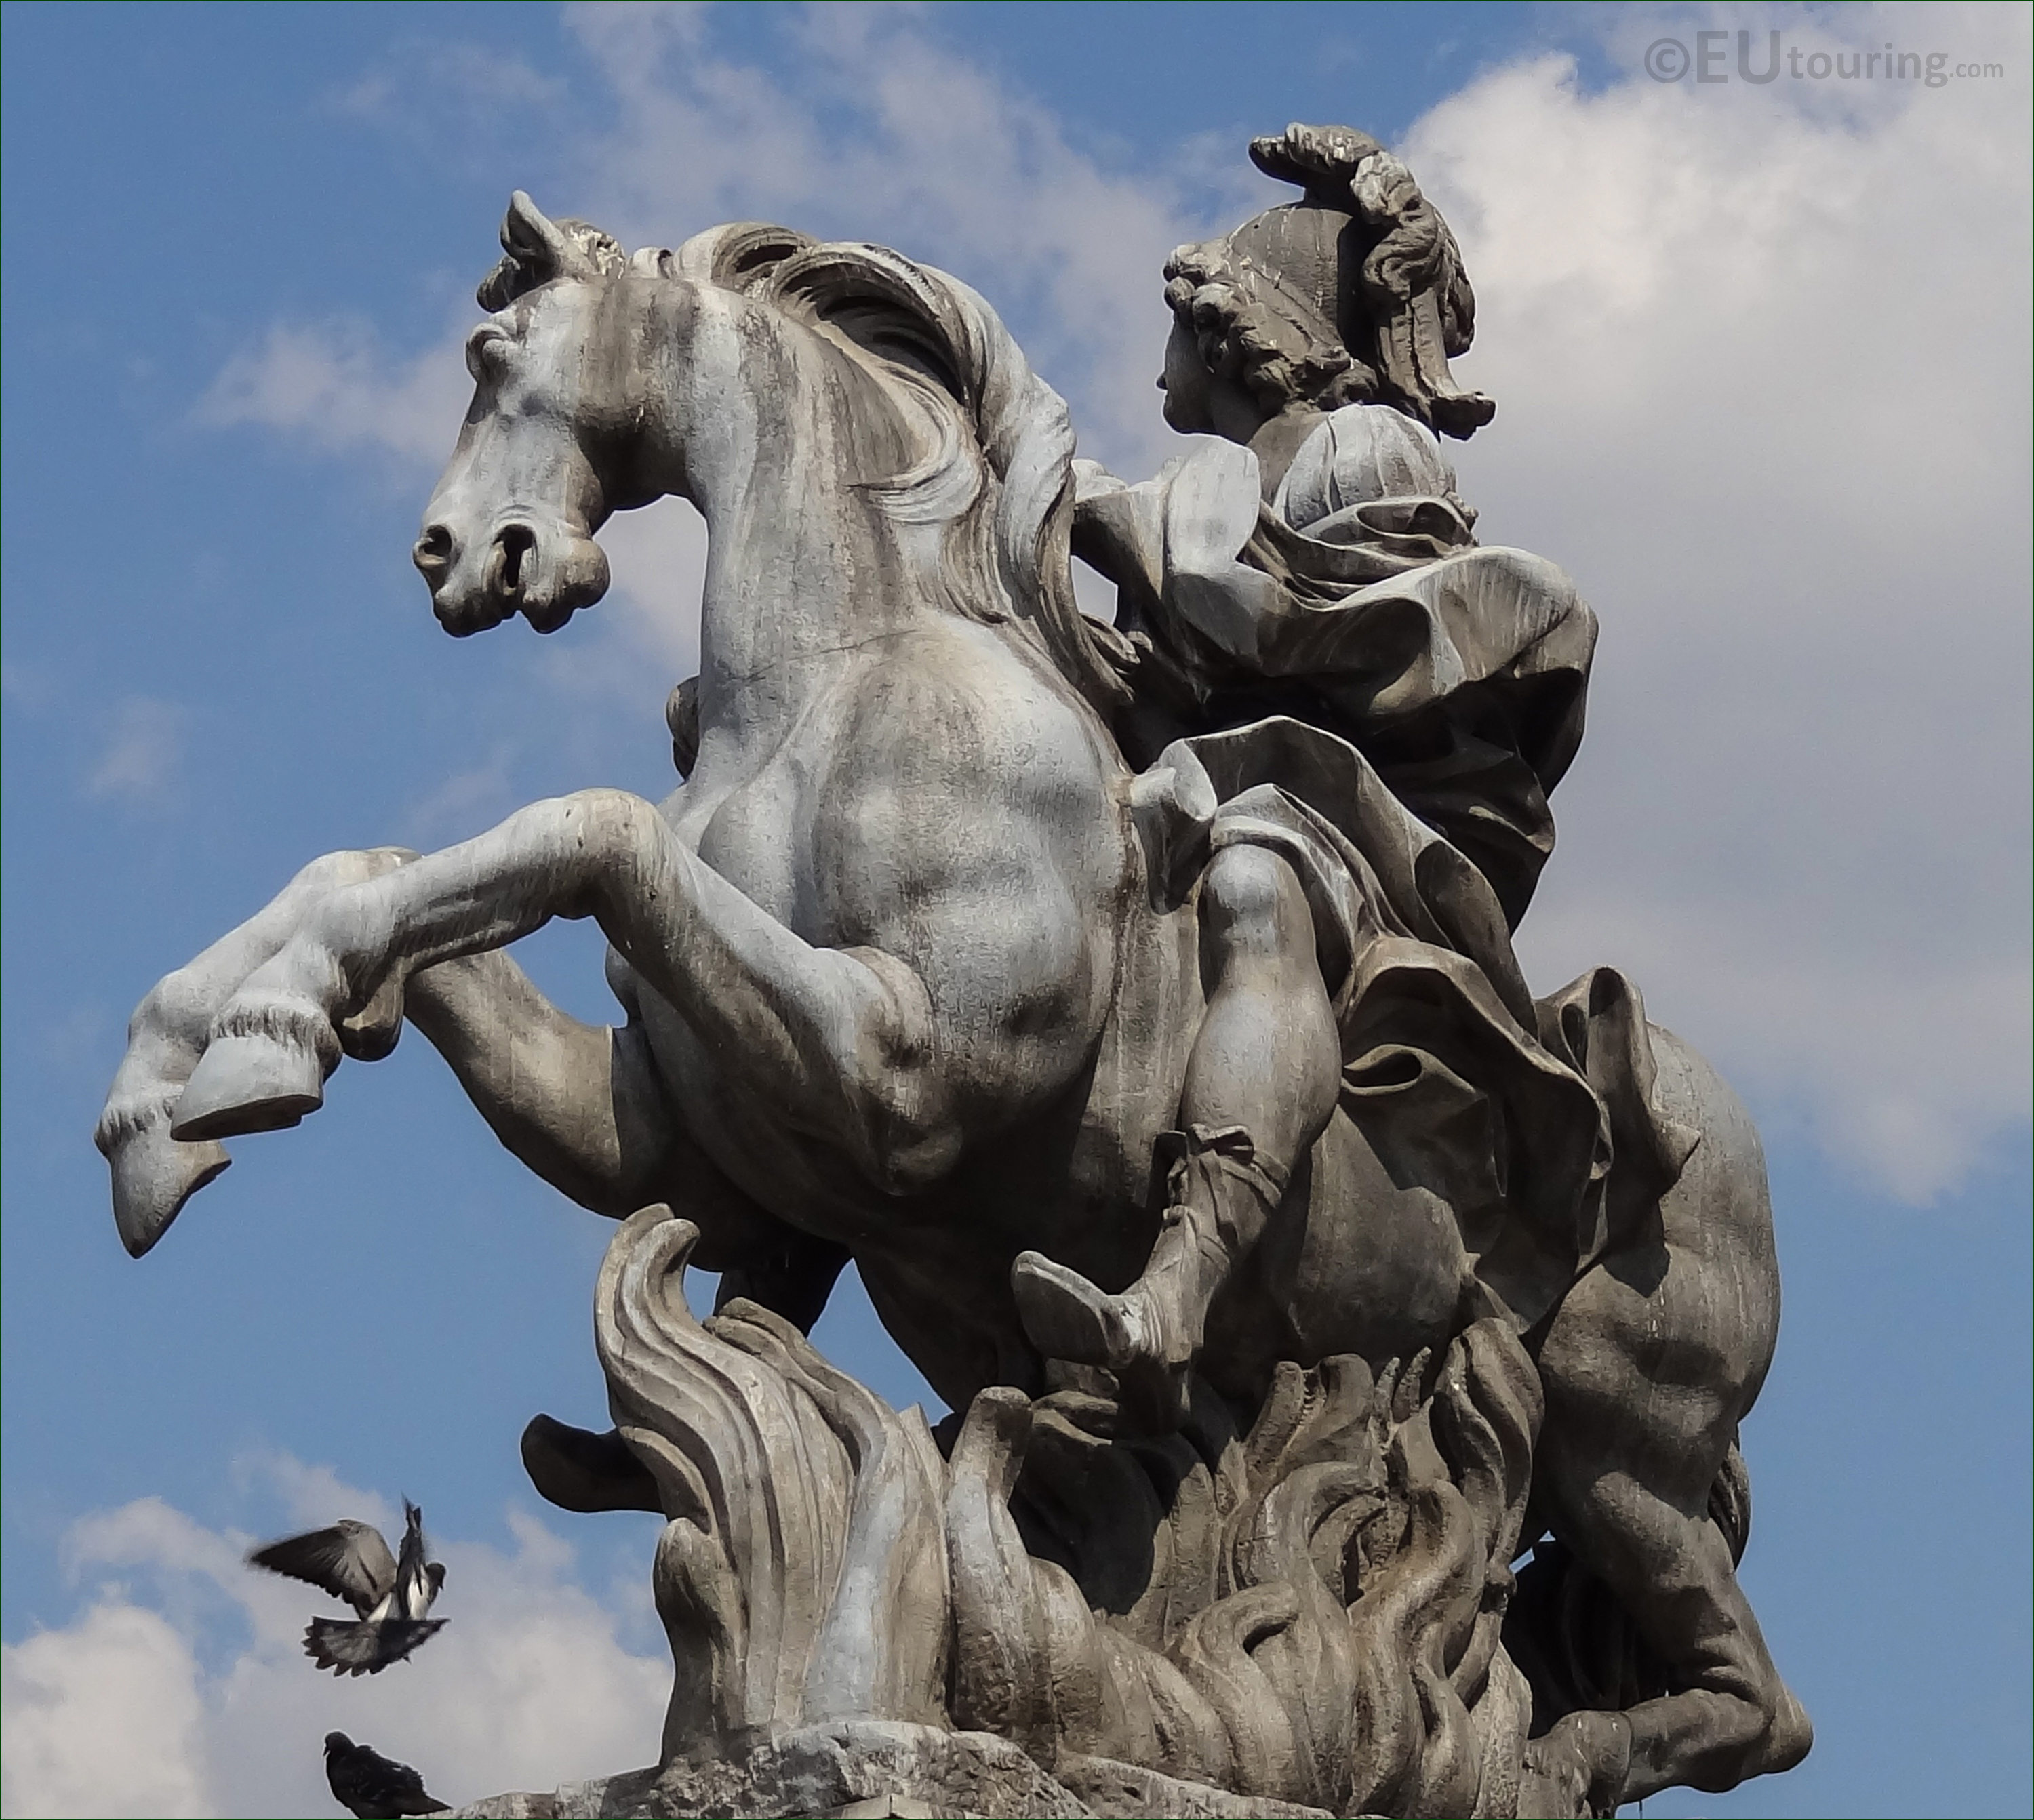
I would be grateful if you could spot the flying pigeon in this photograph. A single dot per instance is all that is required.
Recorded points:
(351, 1562)
(370, 1786)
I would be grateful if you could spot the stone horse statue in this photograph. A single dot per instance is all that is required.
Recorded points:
(1146, 1064)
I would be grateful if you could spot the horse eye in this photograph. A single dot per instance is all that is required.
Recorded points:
(486, 351)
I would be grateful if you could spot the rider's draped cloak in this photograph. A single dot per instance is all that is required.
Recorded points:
(1341, 674)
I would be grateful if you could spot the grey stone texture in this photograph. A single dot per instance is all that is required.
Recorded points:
(1135, 1003)
(875, 1768)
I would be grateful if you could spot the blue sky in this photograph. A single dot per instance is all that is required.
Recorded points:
(1761, 358)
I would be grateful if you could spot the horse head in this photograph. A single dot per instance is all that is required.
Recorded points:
(510, 525)
(597, 368)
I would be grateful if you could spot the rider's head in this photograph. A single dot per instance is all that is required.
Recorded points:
(1307, 307)
(1253, 334)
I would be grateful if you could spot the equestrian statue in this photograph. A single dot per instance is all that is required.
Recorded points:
(1347, 1347)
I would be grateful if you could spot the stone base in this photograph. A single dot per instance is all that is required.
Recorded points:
(878, 1768)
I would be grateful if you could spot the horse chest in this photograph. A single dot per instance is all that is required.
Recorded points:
(909, 768)
(750, 838)
(797, 837)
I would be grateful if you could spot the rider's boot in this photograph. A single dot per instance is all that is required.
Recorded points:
(1220, 1194)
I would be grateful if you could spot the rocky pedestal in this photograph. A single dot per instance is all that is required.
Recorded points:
(878, 1768)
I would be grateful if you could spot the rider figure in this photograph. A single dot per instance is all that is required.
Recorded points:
(1315, 336)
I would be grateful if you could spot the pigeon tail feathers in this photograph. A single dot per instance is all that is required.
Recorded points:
(366, 1646)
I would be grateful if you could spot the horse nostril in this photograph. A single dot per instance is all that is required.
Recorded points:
(517, 544)
(434, 552)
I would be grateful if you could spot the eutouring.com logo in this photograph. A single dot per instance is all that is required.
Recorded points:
(1670, 60)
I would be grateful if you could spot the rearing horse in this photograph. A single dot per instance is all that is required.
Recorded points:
(902, 983)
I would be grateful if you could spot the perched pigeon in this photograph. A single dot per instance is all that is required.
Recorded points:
(370, 1786)
(351, 1562)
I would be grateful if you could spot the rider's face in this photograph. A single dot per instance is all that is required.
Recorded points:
(1185, 383)
(1199, 403)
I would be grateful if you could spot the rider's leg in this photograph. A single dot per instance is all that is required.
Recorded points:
(1260, 1086)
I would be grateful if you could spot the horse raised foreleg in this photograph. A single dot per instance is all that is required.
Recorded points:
(153, 1172)
(579, 1103)
(839, 1039)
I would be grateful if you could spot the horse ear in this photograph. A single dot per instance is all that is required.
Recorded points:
(532, 239)
(536, 249)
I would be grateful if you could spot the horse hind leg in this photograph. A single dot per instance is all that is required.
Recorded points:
(789, 1272)
(1649, 1365)
(1729, 1716)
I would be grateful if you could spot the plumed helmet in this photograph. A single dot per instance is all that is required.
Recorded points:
(1354, 292)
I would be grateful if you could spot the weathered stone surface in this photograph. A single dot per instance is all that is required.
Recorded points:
(1125, 1791)
(862, 1768)
(1135, 1005)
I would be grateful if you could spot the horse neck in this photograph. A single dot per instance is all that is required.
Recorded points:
(801, 567)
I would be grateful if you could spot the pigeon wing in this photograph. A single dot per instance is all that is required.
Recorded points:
(350, 1560)
(398, 1777)
(413, 1592)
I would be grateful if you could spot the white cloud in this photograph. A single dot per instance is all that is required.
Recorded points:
(657, 556)
(311, 1493)
(874, 128)
(103, 1717)
(182, 1689)
(1761, 363)
(921, 146)
(482, 81)
(331, 383)
(465, 804)
(142, 757)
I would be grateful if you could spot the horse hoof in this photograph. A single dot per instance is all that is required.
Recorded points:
(248, 1083)
(1577, 1770)
(1066, 1316)
(153, 1176)
(579, 1470)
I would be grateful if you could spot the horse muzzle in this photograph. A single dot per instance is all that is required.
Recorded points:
(476, 583)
